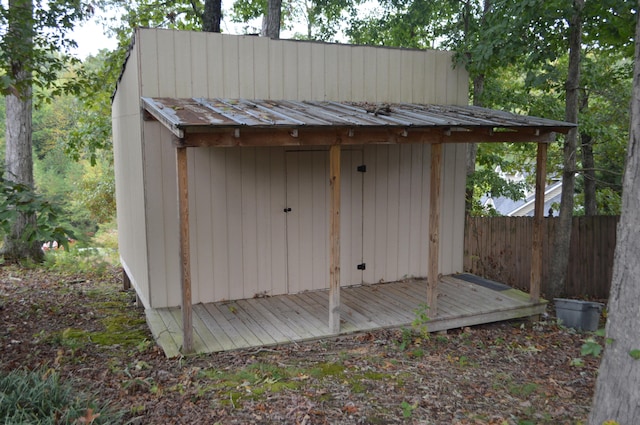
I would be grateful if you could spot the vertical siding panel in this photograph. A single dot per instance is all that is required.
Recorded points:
(382, 74)
(318, 71)
(345, 79)
(442, 72)
(394, 80)
(320, 225)
(346, 215)
(150, 81)
(458, 208)
(219, 221)
(370, 78)
(215, 65)
(462, 85)
(249, 211)
(193, 218)
(382, 192)
(199, 57)
(290, 70)
(230, 64)
(203, 250)
(292, 222)
(246, 67)
(430, 82)
(404, 213)
(420, 74)
(416, 242)
(276, 71)
(426, 205)
(369, 213)
(262, 68)
(406, 88)
(234, 223)
(155, 213)
(183, 63)
(304, 64)
(393, 207)
(166, 64)
(278, 239)
(331, 75)
(171, 224)
(355, 218)
(263, 221)
(357, 74)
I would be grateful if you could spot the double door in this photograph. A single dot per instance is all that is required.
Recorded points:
(307, 219)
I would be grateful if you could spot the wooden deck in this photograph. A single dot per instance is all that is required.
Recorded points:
(283, 319)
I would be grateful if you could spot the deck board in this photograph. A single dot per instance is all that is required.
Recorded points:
(256, 322)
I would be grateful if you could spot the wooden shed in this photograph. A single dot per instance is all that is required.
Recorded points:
(250, 168)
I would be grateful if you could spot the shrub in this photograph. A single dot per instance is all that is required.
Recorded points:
(29, 397)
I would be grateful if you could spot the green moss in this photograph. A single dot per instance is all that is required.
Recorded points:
(322, 370)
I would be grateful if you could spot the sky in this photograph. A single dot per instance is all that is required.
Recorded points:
(90, 36)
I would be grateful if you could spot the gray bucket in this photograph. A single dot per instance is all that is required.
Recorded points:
(581, 315)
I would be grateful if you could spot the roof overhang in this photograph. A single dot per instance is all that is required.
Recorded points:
(241, 122)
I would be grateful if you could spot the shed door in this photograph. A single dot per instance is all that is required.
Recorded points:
(308, 219)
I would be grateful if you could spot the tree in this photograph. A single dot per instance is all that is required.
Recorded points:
(33, 51)
(562, 237)
(271, 19)
(617, 393)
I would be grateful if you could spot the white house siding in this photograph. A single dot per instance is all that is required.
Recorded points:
(237, 195)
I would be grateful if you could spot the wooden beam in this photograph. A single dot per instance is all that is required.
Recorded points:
(433, 277)
(334, 240)
(318, 136)
(538, 216)
(185, 263)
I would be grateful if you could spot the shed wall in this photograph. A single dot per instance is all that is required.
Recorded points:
(237, 195)
(130, 193)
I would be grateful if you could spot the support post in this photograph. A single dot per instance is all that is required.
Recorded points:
(538, 216)
(433, 277)
(334, 240)
(185, 263)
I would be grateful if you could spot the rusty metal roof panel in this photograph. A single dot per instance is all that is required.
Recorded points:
(191, 114)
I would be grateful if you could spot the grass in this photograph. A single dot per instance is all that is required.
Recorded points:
(39, 397)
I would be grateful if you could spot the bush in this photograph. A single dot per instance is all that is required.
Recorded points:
(30, 397)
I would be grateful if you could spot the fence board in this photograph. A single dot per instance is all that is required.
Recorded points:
(499, 248)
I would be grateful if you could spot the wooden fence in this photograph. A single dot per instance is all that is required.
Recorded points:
(499, 248)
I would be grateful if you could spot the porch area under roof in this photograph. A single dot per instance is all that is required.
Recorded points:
(463, 300)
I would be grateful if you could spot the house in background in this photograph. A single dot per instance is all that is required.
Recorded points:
(267, 187)
(525, 207)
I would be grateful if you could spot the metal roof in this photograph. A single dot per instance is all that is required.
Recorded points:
(199, 115)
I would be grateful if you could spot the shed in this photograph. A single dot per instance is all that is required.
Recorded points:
(250, 168)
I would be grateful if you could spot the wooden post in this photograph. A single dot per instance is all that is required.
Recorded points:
(126, 282)
(538, 216)
(334, 240)
(433, 270)
(185, 264)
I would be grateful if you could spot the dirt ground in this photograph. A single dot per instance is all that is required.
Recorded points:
(87, 329)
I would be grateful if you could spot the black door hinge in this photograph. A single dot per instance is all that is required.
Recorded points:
(362, 266)
(362, 168)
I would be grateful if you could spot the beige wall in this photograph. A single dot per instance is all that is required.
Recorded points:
(240, 236)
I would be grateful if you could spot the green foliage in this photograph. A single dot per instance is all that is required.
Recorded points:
(29, 397)
(48, 54)
(17, 199)
(635, 354)
(407, 409)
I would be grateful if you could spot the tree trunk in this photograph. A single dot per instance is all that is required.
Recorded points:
(18, 151)
(212, 16)
(478, 92)
(271, 20)
(562, 240)
(617, 392)
(472, 148)
(588, 174)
